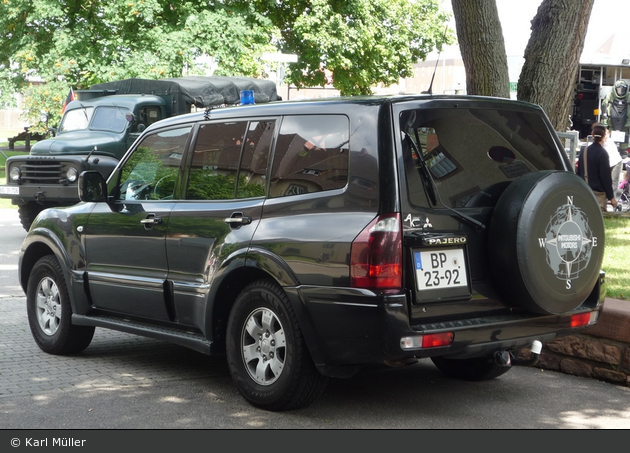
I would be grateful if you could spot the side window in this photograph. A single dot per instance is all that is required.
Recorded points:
(151, 115)
(252, 178)
(146, 117)
(311, 155)
(152, 170)
(230, 160)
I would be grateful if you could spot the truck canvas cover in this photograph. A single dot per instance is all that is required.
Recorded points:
(199, 91)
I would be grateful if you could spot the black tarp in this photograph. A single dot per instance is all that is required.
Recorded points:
(199, 91)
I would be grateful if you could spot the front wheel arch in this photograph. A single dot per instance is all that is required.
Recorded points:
(37, 245)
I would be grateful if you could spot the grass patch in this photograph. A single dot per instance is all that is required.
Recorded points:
(5, 203)
(617, 257)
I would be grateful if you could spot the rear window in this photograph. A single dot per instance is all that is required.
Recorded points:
(467, 151)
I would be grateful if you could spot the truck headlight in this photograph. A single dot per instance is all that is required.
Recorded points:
(15, 174)
(72, 174)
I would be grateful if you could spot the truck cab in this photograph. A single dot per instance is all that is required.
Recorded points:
(104, 122)
(93, 134)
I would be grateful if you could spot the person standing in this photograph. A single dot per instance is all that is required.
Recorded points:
(594, 168)
(616, 163)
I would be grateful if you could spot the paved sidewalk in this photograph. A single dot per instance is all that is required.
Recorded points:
(124, 360)
(11, 234)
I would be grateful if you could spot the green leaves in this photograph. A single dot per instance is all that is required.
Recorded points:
(352, 44)
(82, 43)
(45, 98)
(356, 44)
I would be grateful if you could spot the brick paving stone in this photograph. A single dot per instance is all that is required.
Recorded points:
(113, 360)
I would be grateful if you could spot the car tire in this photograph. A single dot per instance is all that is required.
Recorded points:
(266, 353)
(474, 369)
(49, 311)
(546, 242)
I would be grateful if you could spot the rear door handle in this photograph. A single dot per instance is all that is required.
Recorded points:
(150, 221)
(238, 219)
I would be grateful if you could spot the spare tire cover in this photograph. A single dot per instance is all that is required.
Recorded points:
(546, 242)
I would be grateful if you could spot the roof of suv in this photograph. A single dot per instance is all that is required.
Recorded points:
(338, 104)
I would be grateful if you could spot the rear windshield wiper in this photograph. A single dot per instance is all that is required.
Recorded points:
(431, 187)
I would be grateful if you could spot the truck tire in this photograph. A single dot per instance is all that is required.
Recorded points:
(28, 212)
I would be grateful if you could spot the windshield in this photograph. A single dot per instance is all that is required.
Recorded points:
(468, 151)
(76, 119)
(110, 119)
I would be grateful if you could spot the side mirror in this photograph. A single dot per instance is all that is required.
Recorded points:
(92, 187)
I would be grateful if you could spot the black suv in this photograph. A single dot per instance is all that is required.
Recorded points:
(305, 239)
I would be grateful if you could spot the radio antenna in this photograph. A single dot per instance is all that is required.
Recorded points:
(430, 90)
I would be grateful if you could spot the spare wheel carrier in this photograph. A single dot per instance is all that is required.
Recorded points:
(546, 242)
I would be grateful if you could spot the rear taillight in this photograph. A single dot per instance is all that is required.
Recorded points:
(376, 256)
(432, 340)
(584, 319)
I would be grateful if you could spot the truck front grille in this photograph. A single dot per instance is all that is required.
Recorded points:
(42, 172)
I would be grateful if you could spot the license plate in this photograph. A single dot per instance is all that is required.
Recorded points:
(440, 269)
(10, 190)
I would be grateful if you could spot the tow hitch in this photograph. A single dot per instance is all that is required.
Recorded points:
(506, 358)
(40, 197)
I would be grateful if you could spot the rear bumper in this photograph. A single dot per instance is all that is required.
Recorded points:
(346, 327)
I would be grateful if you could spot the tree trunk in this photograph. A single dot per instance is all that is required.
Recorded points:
(552, 57)
(483, 50)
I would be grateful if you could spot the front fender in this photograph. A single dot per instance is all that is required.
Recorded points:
(55, 233)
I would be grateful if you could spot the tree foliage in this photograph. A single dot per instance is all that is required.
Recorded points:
(80, 43)
(91, 41)
(354, 44)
